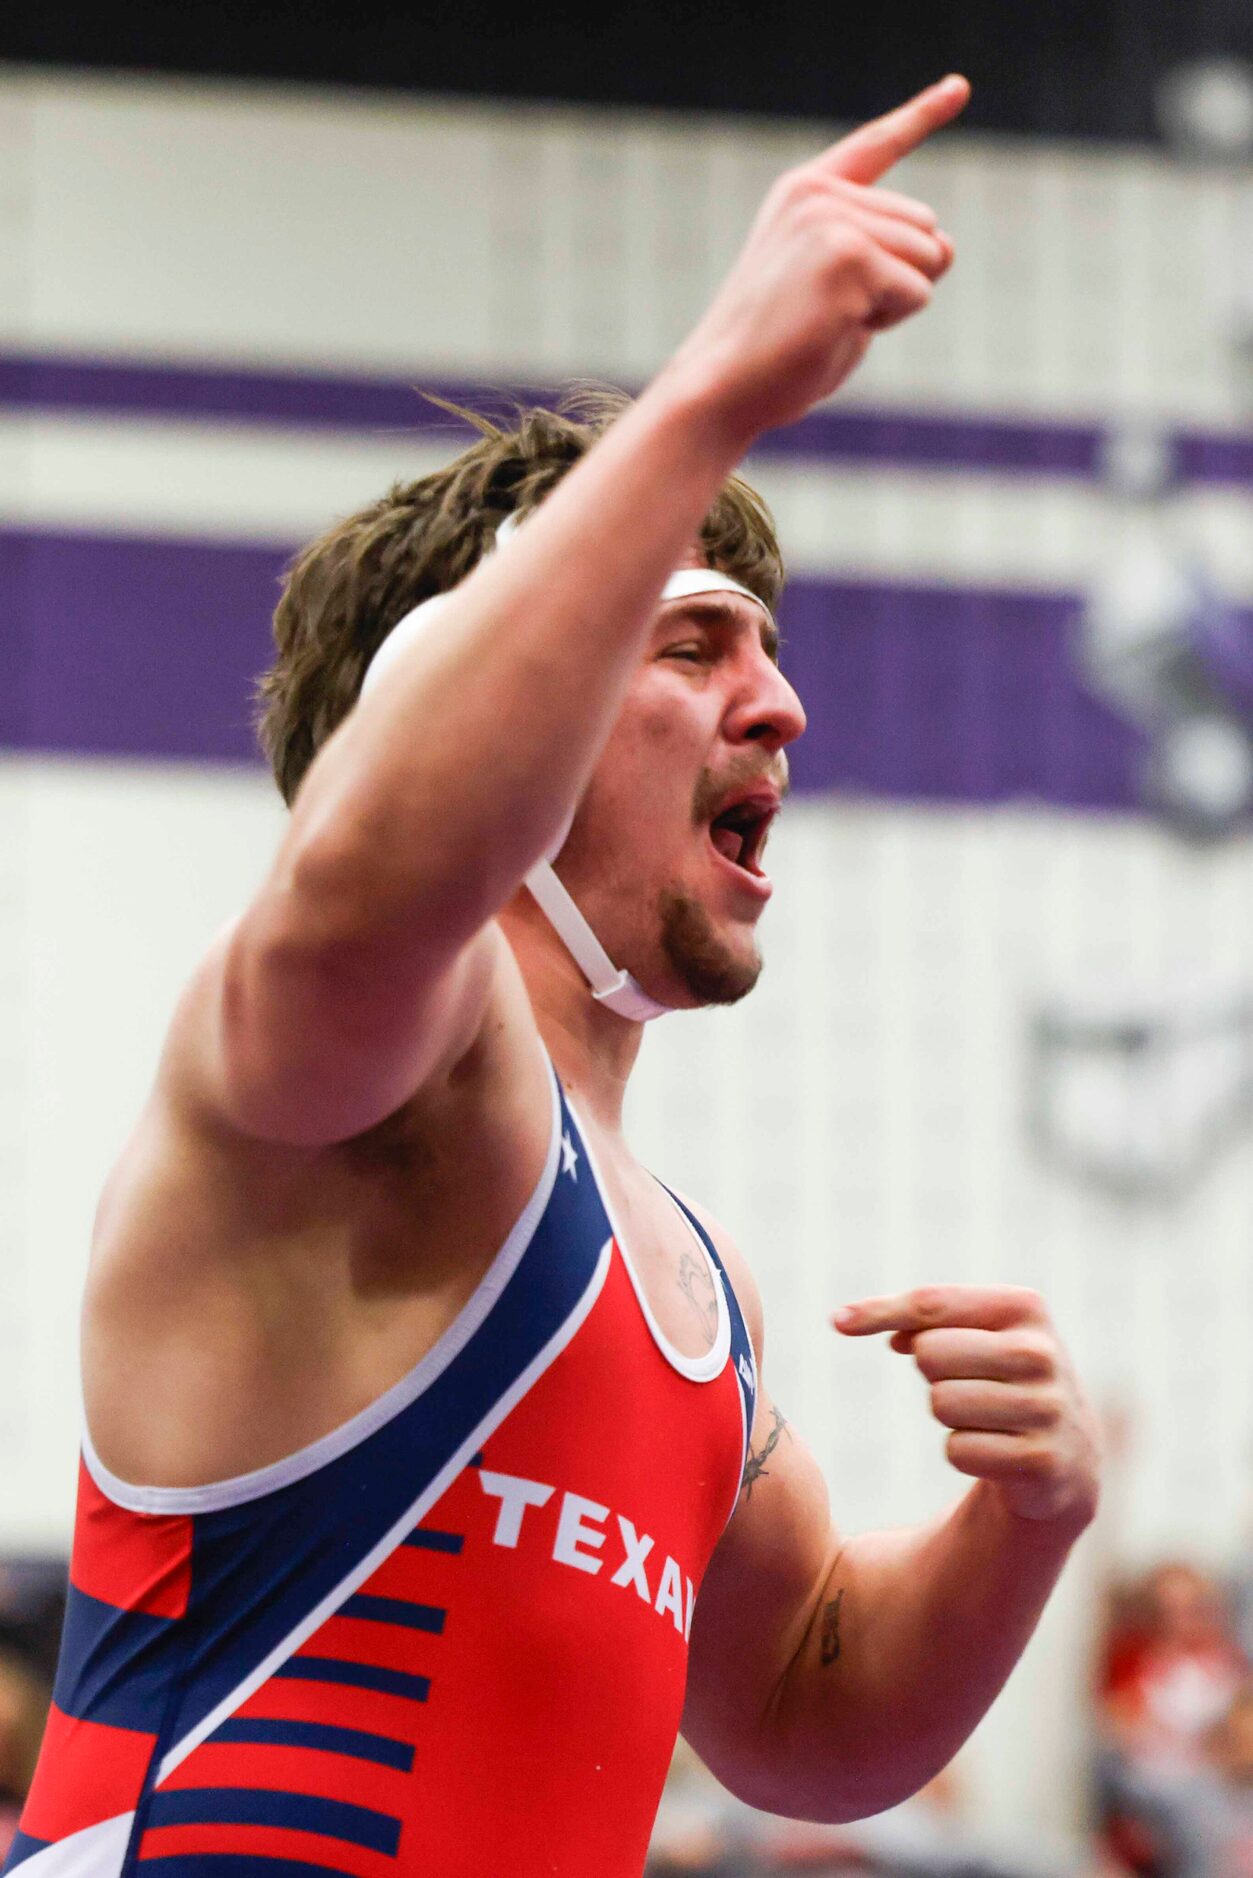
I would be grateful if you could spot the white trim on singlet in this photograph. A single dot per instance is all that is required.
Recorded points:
(215, 1495)
(704, 1368)
(92, 1852)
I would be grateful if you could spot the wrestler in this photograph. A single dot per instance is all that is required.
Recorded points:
(430, 1483)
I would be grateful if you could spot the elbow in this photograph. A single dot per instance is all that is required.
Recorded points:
(285, 1010)
(330, 1013)
(294, 1064)
(292, 931)
(832, 1776)
(326, 889)
(259, 975)
(831, 1794)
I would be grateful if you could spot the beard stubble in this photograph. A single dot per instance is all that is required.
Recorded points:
(707, 967)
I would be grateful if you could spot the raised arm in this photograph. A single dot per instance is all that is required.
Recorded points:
(365, 961)
(831, 1678)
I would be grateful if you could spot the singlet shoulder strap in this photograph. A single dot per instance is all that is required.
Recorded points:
(741, 1355)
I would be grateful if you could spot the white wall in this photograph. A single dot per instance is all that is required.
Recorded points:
(859, 1121)
(256, 223)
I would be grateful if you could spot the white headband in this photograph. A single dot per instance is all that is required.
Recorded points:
(615, 989)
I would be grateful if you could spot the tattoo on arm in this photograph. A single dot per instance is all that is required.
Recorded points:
(830, 1635)
(755, 1465)
(697, 1286)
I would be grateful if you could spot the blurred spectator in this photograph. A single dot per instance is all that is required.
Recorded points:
(1199, 1823)
(23, 1710)
(32, 1609)
(1231, 1805)
(1173, 1670)
(1176, 1729)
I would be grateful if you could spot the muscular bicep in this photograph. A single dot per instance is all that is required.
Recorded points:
(311, 1046)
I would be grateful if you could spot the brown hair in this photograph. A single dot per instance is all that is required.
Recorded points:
(344, 592)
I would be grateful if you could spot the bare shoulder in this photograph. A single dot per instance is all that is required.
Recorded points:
(738, 1271)
(238, 1281)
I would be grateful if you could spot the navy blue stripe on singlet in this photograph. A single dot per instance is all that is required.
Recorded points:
(113, 1665)
(23, 1846)
(355, 1743)
(354, 1676)
(429, 1540)
(236, 1865)
(261, 1806)
(394, 1611)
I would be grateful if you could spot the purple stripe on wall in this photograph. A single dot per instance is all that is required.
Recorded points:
(167, 388)
(942, 695)
(153, 388)
(148, 648)
(133, 647)
(918, 441)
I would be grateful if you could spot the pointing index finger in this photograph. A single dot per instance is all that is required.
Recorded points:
(868, 153)
(936, 1307)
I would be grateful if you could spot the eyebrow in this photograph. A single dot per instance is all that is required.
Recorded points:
(712, 609)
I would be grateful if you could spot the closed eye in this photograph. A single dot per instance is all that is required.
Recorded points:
(722, 616)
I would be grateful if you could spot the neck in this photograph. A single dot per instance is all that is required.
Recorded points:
(593, 1049)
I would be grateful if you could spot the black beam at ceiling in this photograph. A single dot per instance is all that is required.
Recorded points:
(1076, 68)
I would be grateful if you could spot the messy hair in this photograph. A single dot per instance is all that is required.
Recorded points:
(344, 593)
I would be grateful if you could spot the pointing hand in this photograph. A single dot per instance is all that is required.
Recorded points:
(1002, 1382)
(830, 261)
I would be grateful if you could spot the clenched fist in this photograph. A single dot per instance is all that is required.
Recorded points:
(1002, 1382)
(830, 261)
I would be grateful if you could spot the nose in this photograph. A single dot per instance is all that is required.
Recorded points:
(765, 709)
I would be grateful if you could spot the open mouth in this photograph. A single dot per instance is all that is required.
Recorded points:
(739, 834)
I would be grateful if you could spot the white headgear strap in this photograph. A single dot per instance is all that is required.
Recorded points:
(615, 989)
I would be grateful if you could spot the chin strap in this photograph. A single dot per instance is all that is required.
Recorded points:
(610, 986)
(615, 989)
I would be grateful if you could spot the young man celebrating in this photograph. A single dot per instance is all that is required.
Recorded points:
(430, 1486)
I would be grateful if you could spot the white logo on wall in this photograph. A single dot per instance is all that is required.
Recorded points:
(1141, 1095)
(1164, 641)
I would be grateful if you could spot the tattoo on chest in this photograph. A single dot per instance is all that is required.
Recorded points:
(831, 1630)
(755, 1465)
(697, 1285)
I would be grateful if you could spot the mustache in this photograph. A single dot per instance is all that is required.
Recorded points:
(712, 790)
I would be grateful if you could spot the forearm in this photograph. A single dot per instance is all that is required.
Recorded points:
(913, 1636)
(449, 781)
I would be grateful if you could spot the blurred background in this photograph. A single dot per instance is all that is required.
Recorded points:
(1006, 1032)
